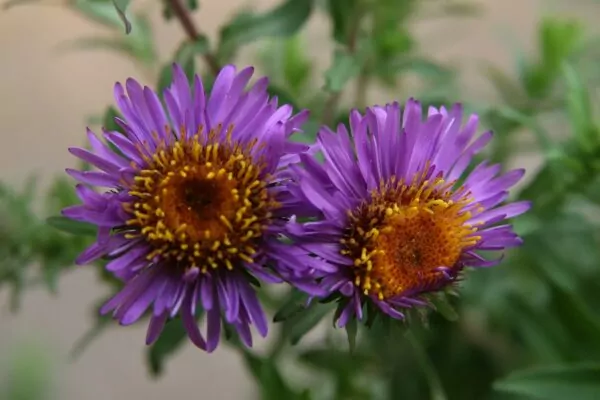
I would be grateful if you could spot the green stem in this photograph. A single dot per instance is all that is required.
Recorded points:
(435, 384)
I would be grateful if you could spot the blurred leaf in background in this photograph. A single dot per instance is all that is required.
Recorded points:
(528, 329)
(29, 374)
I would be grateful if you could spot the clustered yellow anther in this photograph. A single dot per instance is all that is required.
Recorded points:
(201, 201)
(400, 237)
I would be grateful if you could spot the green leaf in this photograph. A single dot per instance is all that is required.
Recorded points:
(553, 246)
(424, 68)
(509, 90)
(341, 13)
(580, 110)
(345, 67)
(271, 383)
(305, 321)
(99, 11)
(569, 381)
(335, 361)
(296, 65)
(29, 374)
(165, 77)
(108, 120)
(74, 227)
(443, 306)
(186, 55)
(171, 339)
(295, 303)
(436, 387)
(542, 136)
(558, 40)
(283, 96)
(351, 331)
(284, 20)
(121, 7)
(139, 44)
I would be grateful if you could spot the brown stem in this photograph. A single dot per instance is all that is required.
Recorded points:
(183, 15)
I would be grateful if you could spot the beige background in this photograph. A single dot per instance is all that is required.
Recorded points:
(44, 99)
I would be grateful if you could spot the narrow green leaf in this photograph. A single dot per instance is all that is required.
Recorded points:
(579, 110)
(424, 68)
(341, 13)
(572, 381)
(101, 12)
(165, 77)
(345, 67)
(436, 387)
(443, 306)
(508, 89)
(29, 374)
(542, 136)
(304, 322)
(121, 7)
(108, 120)
(186, 55)
(74, 227)
(294, 304)
(283, 96)
(284, 20)
(335, 361)
(171, 339)
(351, 331)
(271, 383)
(296, 65)
(142, 40)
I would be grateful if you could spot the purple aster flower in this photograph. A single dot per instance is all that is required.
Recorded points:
(396, 212)
(195, 203)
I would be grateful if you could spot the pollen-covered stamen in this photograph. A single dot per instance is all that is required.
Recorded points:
(401, 237)
(201, 201)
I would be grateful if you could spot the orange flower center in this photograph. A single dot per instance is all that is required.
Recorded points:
(201, 203)
(405, 233)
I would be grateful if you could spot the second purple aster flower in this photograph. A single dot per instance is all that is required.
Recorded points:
(394, 209)
(195, 205)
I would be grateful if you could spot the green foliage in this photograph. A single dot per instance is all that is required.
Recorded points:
(29, 374)
(580, 381)
(283, 20)
(496, 339)
(138, 43)
(172, 338)
(121, 7)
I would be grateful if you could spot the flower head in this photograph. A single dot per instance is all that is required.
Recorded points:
(195, 203)
(398, 214)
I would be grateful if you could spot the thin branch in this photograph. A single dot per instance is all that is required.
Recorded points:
(183, 15)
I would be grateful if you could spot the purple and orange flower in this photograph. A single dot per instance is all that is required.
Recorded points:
(394, 210)
(195, 203)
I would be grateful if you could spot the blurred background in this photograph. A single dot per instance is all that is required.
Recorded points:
(50, 91)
